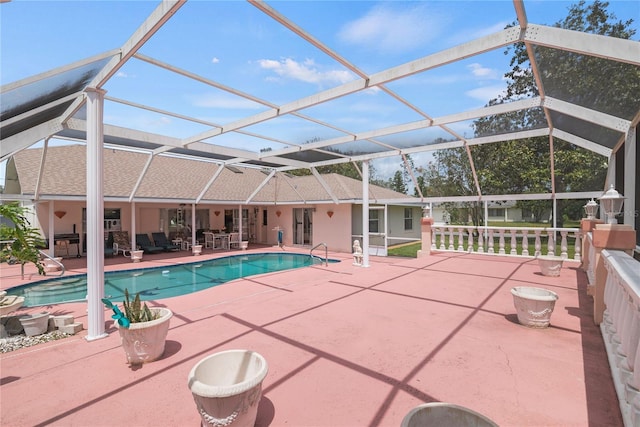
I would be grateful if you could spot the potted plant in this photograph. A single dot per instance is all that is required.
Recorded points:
(143, 330)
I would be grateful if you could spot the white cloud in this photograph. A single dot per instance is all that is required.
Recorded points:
(486, 93)
(394, 30)
(122, 74)
(483, 72)
(215, 100)
(215, 60)
(307, 71)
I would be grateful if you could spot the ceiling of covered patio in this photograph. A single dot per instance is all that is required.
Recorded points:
(346, 108)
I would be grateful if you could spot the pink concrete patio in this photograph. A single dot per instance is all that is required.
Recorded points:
(346, 346)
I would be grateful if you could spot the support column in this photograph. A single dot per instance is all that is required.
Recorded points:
(365, 213)
(630, 172)
(426, 224)
(95, 214)
(52, 245)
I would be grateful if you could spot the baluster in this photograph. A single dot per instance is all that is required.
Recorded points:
(490, 242)
(460, 239)
(481, 240)
(525, 243)
(443, 231)
(578, 247)
(551, 244)
(538, 244)
(470, 241)
(501, 241)
(514, 243)
(451, 238)
(433, 238)
(563, 244)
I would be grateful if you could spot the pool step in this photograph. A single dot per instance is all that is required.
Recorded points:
(65, 323)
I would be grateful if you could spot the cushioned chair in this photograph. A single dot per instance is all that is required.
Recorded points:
(144, 242)
(108, 246)
(121, 243)
(445, 414)
(161, 240)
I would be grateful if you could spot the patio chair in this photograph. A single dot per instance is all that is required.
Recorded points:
(160, 239)
(121, 243)
(445, 414)
(234, 240)
(109, 247)
(144, 242)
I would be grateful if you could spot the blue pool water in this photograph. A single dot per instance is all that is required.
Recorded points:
(163, 282)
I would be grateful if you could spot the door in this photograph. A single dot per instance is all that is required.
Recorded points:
(302, 226)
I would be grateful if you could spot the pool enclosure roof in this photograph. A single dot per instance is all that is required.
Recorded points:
(318, 121)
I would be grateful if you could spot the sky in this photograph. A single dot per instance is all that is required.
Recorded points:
(236, 45)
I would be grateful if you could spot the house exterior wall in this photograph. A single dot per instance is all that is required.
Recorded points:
(334, 231)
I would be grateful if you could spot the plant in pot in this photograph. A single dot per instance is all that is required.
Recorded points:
(143, 330)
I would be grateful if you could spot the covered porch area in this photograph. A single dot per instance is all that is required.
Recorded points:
(346, 346)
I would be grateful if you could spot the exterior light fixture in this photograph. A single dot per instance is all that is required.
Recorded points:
(591, 208)
(426, 212)
(611, 202)
(330, 213)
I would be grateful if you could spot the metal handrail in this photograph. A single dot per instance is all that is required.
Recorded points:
(46, 255)
(326, 252)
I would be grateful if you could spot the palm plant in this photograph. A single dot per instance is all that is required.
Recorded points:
(20, 243)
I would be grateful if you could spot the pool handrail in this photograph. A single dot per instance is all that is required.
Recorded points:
(55, 261)
(326, 252)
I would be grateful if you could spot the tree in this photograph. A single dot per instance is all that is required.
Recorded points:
(22, 240)
(523, 166)
(396, 183)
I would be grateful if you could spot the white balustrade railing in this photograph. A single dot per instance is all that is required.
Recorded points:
(460, 238)
(621, 330)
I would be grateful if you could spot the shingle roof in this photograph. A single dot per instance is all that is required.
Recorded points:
(175, 178)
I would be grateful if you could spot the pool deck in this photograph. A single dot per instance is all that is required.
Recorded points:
(346, 346)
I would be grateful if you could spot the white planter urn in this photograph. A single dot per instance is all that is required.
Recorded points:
(534, 305)
(197, 249)
(9, 304)
(136, 256)
(227, 387)
(550, 265)
(244, 245)
(35, 324)
(144, 342)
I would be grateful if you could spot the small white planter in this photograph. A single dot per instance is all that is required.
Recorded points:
(445, 414)
(534, 305)
(9, 304)
(227, 387)
(144, 342)
(197, 249)
(35, 324)
(550, 265)
(244, 245)
(136, 256)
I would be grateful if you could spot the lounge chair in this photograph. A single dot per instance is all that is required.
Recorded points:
(143, 241)
(121, 243)
(160, 239)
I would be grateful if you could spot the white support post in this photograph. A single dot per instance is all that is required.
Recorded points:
(95, 215)
(630, 172)
(193, 224)
(240, 224)
(386, 230)
(365, 213)
(134, 244)
(52, 244)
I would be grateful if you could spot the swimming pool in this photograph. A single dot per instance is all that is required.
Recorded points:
(163, 282)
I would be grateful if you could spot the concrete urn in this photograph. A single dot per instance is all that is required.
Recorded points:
(534, 306)
(227, 387)
(144, 342)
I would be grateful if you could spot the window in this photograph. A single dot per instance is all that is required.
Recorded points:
(408, 219)
(496, 212)
(374, 221)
